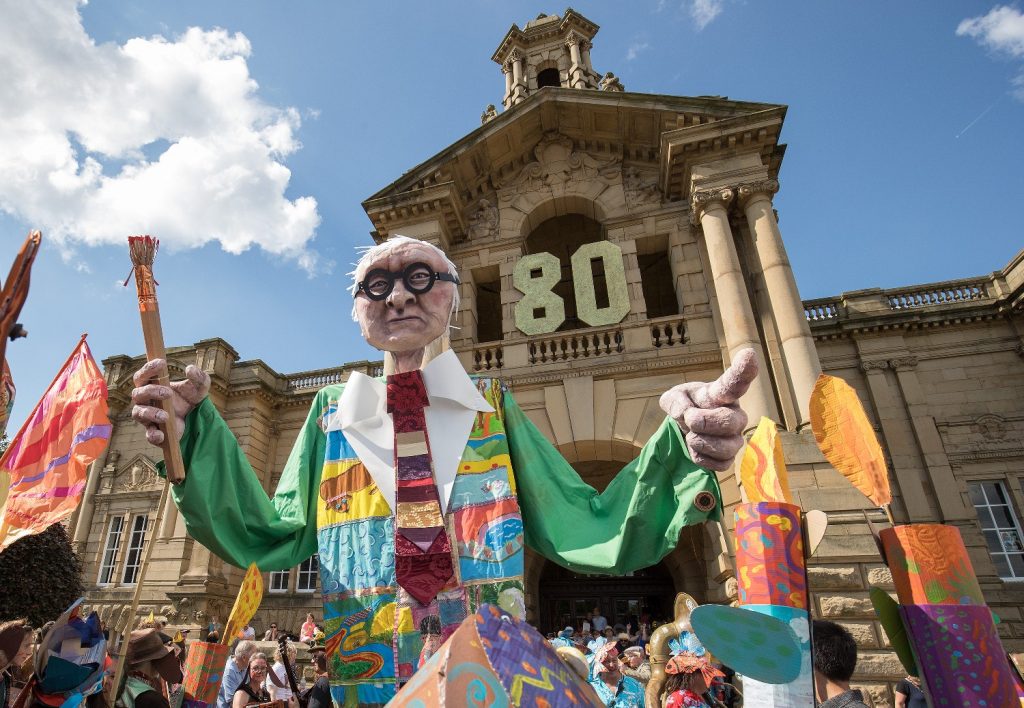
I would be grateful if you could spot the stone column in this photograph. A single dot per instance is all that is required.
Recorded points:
(83, 522)
(576, 70)
(709, 209)
(518, 85)
(506, 69)
(585, 56)
(801, 357)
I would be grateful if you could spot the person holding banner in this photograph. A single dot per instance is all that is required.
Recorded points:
(415, 489)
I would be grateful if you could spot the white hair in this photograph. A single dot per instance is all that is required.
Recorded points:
(381, 249)
(245, 648)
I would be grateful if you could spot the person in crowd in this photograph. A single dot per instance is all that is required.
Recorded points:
(234, 671)
(564, 638)
(213, 637)
(689, 677)
(150, 662)
(15, 648)
(909, 694)
(248, 633)
(612, 686)
(835, 658)
(585, 627)
(320, 694)
(635, 664)
(280, 690)
(251, 689)
(308, 629)
(595, 642)
(597, 620)
(272, 634)
(214, 625)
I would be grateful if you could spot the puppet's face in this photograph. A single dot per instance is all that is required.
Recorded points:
(405, 321)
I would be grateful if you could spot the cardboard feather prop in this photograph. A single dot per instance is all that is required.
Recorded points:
(763, 469)
(847, 440)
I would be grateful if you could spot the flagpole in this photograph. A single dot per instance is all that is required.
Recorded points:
(60, 371)
(139, 578)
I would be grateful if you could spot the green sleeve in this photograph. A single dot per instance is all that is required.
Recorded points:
(634, 523)
(225, 507)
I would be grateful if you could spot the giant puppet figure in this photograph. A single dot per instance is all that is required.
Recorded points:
(420, 490)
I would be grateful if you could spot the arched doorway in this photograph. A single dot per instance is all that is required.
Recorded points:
(565, 597)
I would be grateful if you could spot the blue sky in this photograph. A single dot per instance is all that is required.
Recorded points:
(262, 137)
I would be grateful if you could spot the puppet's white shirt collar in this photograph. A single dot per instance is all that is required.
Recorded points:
(454, 403)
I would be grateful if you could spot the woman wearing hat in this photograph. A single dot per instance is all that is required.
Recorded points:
(689, 677)
(15, 648)
(150, 661)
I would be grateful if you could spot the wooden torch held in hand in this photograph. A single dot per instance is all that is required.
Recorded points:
(143, 250)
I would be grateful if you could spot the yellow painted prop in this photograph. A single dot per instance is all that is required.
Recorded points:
(250, 595)
(763, 469)
(847, 439)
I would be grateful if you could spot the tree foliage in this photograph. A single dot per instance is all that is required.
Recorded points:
(40, 575)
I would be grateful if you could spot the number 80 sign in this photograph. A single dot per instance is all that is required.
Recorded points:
(541, 310)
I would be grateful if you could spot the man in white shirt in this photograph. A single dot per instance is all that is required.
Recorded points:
(599, 621)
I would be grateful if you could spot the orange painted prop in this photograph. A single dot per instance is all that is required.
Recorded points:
(763, 469)
(930, 566)
(250, 595)
(846, 438)
(770, 555)
(204, 671)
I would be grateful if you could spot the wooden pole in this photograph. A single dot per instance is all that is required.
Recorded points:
(143, 250)
(137, 595)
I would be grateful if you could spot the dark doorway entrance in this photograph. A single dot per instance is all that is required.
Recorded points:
(566, 597)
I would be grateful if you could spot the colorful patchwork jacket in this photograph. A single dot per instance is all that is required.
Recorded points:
(372, 625)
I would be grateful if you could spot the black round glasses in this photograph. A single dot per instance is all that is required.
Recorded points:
(418, 278)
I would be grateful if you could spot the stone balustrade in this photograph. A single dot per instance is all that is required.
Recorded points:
(487, 357)
(576, 345)
(668, 332)
(829, 310)
(819, 310)
(318, 378)
(939, 294)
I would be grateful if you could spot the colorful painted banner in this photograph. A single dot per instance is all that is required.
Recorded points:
(770, 555)
(962, 661)
(846, 438)
(48, 459)
(798, 693)
(250, 595)
(763, 469)
(204, 670)
(494, 660)
(930, 565)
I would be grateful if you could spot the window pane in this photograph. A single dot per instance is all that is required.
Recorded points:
(985, 518)
(1017, 564)
(995, 544)
(1002, 566)
(1002, 517)
(977, 496)
(994, 492)
(1011, 541)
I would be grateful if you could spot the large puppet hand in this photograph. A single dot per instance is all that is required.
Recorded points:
(185, 395)
(709, 415)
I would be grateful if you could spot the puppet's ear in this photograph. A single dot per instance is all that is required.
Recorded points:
(889, 615)
(760, 646)
(815, 523)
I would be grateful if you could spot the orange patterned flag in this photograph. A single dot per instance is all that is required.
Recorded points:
(48, 459)
(847, 439)
(250, 595)
(763, 469)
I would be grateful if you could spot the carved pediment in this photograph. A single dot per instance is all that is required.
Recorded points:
(556, 161)
(138, 474)
(640, 187)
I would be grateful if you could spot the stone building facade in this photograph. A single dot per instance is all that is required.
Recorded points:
(611, 245)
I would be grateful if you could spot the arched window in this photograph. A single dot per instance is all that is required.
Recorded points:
(548, 77)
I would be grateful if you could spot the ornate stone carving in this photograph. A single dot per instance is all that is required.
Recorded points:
(483, 222)
(557, 162)
(138, 475)
(702, 199)
(573, 39)
(506, 67)
(903, 363)
(489, 114)
(639, 188)
(586, 45)
(611, 82)
(750, 189)
(991, 427)
(877, 365)
(515, 55)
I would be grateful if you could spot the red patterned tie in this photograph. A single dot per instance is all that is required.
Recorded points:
(423, 554)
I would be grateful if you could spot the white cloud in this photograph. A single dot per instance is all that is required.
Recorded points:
(1001, 31)
(704, 11)
(159, 136)
(634, 50)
